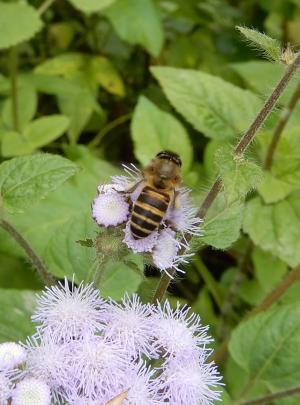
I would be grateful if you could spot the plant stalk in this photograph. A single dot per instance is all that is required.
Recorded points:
(35, 260)
(44, 6)
(269, 398)
(238, 150)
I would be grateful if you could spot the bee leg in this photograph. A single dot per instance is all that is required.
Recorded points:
(176, 203)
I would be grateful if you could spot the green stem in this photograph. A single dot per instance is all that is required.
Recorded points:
(209, 281)
(35, 260)
(271, 397)
(238, 150)
(14, 87)
(44, 6)
(109, 127)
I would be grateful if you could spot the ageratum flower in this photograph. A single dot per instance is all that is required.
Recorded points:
(11, 355)
(68, 312)
(31, 391)
(113, 207)
(5, 388)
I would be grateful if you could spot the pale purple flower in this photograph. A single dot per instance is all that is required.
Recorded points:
(96, 365)
(11, 355)
(130, 324)
(190, 382)
(5, 388)
(110, 209)
(139, 245)
(31, 391)
(69, 312)
(179, 331)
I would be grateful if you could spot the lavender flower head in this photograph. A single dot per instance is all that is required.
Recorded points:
(154, 354)
(114, 205)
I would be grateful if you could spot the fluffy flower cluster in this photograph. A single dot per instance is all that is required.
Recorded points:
(112, 207)
(87, 351)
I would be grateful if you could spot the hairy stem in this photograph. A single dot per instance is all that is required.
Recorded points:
(14, 87)
(44, 6)
(110, 126)
(239, 149)
(268, 398)
(284, 117)
(267, 302)
(35, 260)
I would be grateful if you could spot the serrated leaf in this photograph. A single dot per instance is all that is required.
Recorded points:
(36, 134)
(26, 105)
(64, 256)
(18, 22)
(90, 6)
(117, 278)
(270, 46)
(137, 22)
(217, 108)
(266, 347)
(238, 174)
(26, 180)
(16, 309)
(275, 227)
(223, 224)
(154, 130)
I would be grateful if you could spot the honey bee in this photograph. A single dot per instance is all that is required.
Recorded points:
(160, 180)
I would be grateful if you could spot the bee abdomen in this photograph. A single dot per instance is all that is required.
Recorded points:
(148, 212)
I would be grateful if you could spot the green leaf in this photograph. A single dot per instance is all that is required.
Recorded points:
(64, 256)
(90, 6)
(137, 22)
(223, 224)
(18, 22)
(270, 46)
(154, 130)
(217, 108)
(104, 73)
(26, 180)
(238, 174)
(269, 270)
(36, 134)
(272, 189)
(66, 65)
(26, 105)
(16, 309)
(266, 347)
(117, 279)
(275, 227)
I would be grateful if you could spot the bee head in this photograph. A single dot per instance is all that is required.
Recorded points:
(165, 170)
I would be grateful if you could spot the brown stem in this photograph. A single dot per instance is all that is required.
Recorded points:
(283, 120)
(271, 397)
(267, 302)
(239, 149)
(35, 260)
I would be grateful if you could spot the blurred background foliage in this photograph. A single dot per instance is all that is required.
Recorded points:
(88, 80)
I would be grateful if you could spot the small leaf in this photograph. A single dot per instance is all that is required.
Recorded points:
(267, 347)
(18, 22)
(137, 22)
(154, 130)
(90, 6)
(275, 227)
(36, 134)
(66, 64)
(26, 180)
(238, 174)
(16, 309)
(217, 108)
(105, 74)
(117, 278)
(270, 46)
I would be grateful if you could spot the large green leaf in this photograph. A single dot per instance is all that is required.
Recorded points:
(26, 180)
(89, 6)
(137, 22)
(16, 309)
(275, 227)
(266, 347)
(217, 108)
(35, 135)
(154, 130)
(18, 22)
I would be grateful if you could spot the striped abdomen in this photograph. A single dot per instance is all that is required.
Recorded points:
(148, 212)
